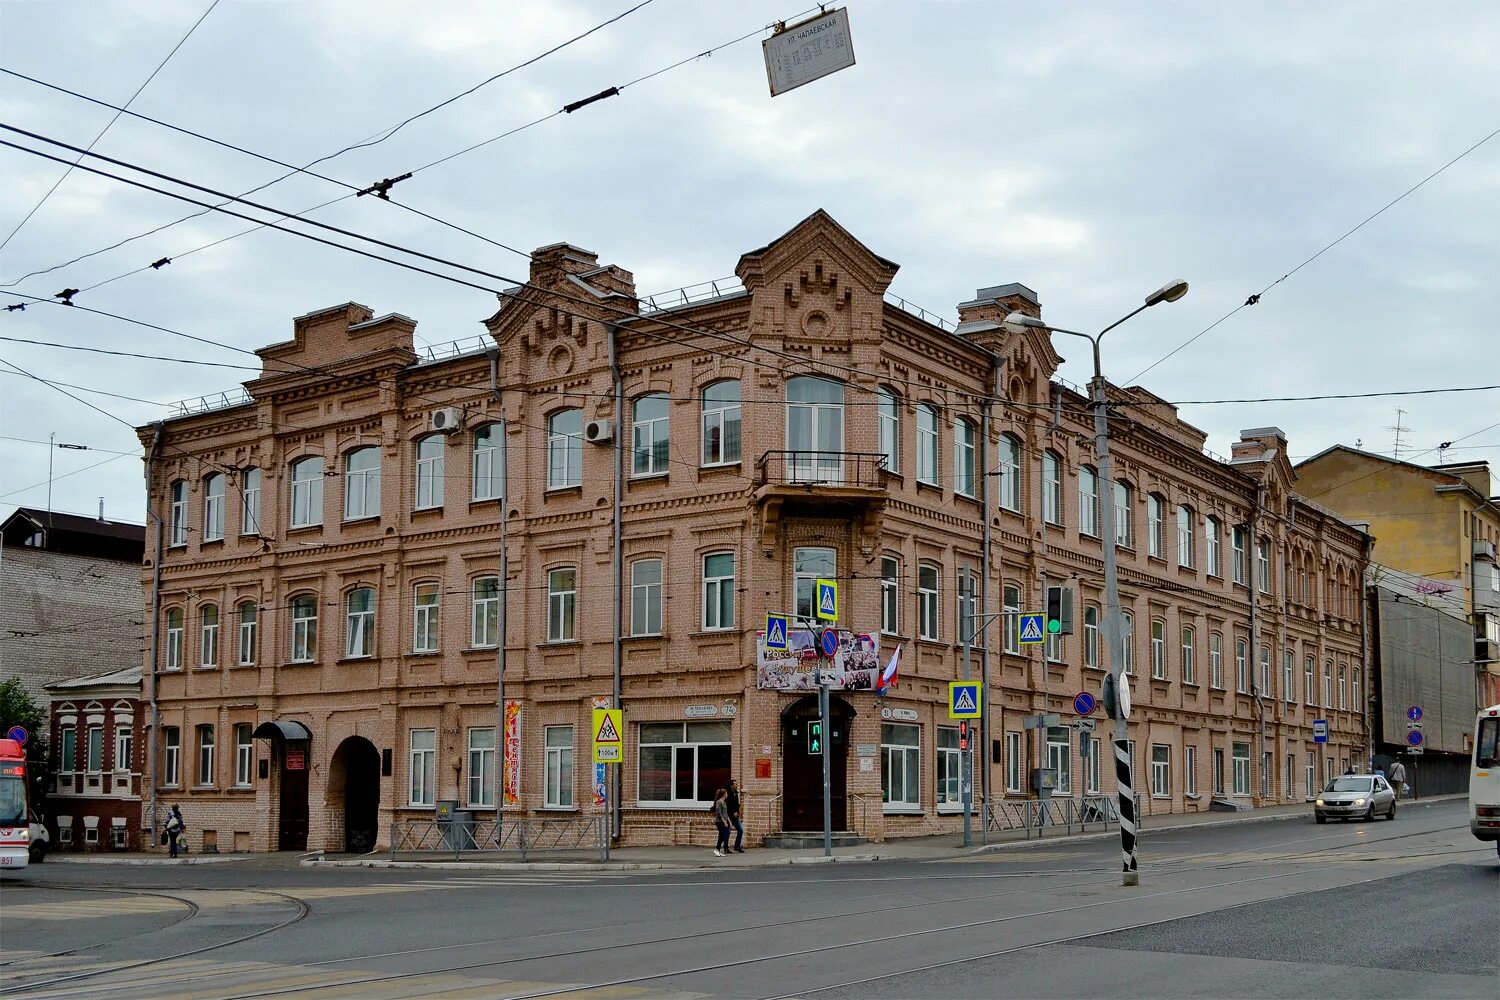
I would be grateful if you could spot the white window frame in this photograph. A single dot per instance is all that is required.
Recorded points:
(1190, 770)
(718, 594)
(484, 612)
(1185, 535)
(247, 632)
(362, 485)
(928, 446)
(888, 417)
(1239, 541)
(124, 748)
(307, 492)
(1310, 678)
(900, 758)
(723, 425)
(431, 471)
(1060, 758)
(966, 601)
(1263, 563)
(1159, 649)
(422, 768)
(171, 756)
(176, 635)
(1127, 641)
(1161, 771)
(810, 564)
(1089, 749)
(427, 612)
(1242, 666)
(1013, 763)
(208, 635)
(1010, 596)
(1189, 636)
(244, 755)
(1124, 523)
(213, 507)
(948, 768)
(488, 472)
(304, 629)
(1010, 473)
(822, 418)
(564, 449)
(1343, 687)
(1263, 679)
(646, 597)
(177, 518)
(250, 502)
(480, 761)
(562, 604)
(67, 738)
(965, 458)
(205, 755)
(1241, 766)
(1213, 556)
(557, 744)
(929, 582)
(650, 436)
(1356, 694)
(1091, 637)
(1155, 526)
(1052, 505)
(1327, 683)
(1088, 501)
(890, 595)
(1289, 676)
(359, 625)
(690, 744)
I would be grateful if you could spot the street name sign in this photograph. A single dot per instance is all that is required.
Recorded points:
(1041, 720)
(811, 50)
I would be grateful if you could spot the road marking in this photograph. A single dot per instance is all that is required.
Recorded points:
(89, 909)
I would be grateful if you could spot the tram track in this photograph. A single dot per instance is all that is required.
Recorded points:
(192, 911)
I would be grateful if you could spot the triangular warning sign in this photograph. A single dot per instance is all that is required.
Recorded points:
(776, 634)
(607, 731)
(963, 701)
(1031, 630)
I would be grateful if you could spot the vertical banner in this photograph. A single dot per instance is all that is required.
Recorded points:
(512, 753)
(601, 771)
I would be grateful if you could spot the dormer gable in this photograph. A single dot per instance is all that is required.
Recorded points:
(821, 252)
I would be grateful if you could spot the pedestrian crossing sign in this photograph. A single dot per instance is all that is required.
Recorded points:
(964, 701)
(828, 600)
(1030, 629)
(776, 632)
(608, 744)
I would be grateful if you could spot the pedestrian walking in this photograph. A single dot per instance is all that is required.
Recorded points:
(175, 828)
(732, 800)
(1398, 779)
(721, 821)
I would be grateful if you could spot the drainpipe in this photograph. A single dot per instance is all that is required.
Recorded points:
(1365, 583)
(154, 714)
(616, 559)
(984, 605)
(504, 599)
(1252, 557)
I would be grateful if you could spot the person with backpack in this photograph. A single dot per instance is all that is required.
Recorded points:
(1398, 778)
(175, 828)
(721, 821)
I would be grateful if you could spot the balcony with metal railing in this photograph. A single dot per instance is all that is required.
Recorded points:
(852, 483)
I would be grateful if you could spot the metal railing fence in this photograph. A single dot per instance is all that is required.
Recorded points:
(526, 836)
(1035, 815)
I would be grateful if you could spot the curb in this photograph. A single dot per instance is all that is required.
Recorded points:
(61, 859)
(584, 866)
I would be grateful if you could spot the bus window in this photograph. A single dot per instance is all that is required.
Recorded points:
(1487, 748)
(12, 801)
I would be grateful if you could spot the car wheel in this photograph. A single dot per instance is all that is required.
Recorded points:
(38, 853)
(1391, 812)
(1321, 819)
(1370, 813)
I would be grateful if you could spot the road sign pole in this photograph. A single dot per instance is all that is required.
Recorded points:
(966, 769)
(827, 766)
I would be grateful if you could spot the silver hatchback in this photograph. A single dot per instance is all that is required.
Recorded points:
(1356, 796)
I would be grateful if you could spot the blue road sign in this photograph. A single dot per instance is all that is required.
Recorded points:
(776, 632)
(828, 642)
(1031, 628)
(19, 734)
(828, 599)
(963, 700)
(1414, 738)
(1414, 713)
(1084, 703)
(1320, 730)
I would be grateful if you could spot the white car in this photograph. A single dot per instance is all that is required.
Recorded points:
(41, 840)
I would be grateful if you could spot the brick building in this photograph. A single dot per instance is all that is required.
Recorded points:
(331, 606)
(70, 595)
(97, 727)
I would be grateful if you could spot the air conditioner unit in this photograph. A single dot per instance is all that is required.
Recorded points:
(449, 419)
(599, 431)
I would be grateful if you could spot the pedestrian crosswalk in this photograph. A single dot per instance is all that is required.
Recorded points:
(480, 882)
(87, 908)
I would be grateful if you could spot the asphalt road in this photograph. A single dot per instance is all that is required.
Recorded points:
(1403, 909)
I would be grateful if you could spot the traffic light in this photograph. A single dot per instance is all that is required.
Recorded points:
(963, 734)
(1060, 610)
(815, 736)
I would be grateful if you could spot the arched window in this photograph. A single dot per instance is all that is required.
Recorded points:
(965, 458)
(208, 637)
(1124, 522)
(178, 516)
(359, 623)
(1185, 536)
(721, 423)
(815, 429)
(927, 444)
(565, 449)
(888, 413)
(1052, 487)
(430, 472)
(304, 629)
(1088, 501)
(213, 508)
(650, 436)
(1010, 472)
(362, 483)
(307, 491)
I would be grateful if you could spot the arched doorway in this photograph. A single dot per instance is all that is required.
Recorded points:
(802, 772)
(354, 788)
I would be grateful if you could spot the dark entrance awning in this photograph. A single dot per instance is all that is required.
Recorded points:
(282, 729)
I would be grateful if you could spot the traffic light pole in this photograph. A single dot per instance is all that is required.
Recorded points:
(827, 766)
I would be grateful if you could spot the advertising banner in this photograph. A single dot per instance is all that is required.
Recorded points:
(856, 665)
(512, 753)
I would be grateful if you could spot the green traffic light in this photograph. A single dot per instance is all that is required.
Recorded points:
(1054, 626)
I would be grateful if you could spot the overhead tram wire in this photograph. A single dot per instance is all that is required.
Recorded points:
(371, 140)
(110, 124)
(98, 392)
(1254, 299)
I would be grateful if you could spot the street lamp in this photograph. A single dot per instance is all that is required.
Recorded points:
(1124, 779)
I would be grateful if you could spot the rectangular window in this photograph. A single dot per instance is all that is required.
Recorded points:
(964, 459)
(1088, 502)
(890, 595)
(426, 610)
(248, 615)
(1060, 758)
(244, 755)
(967, 586)
(208, 636)
(430, 472)
(1055, 647)
(213, 508)
(1127, 642)
(1264, 680)
(359, 623)
(1218, 770)
(1242, 666)
(1155, 528)
(179, 513)
(900, 767)
(304, 629)
(1124, 537)
(1211, 546)
(489, 463)
(1241, 768)
(1289, 678)
(1290, 788)
(565, 449)
(67, 736)
(1309, 680)
(1268, 773)
(1343, 687)
(124, 748)
(175, 630)
(927, 602)
(683, 763)
(307, 492)
(1052, 488)
(171, 741)
(809, 566)
(423, 764)
(1327, 683)
(1190, 769)
(718, 591)
(1010, 473)
(1185, 537)
(1263, 566)
(1310, 776)
(94, 761)
(1158, 649)
(484, 621)
(482, 767)
(562, 596)
(1189, 660)
(1011, 620)
(250, 503)
(205, 755)
(1012, 762)
(650, 440)
(645, 597)
(559, 792)
(1091, 637)
(1089, 750)
(1356, 693)
(721, 423)
(362, 483)
(1238, 540)
(927, 445)
(1161, 771)
(949, 768)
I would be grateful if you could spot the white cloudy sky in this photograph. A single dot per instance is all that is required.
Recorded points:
(1090, 150)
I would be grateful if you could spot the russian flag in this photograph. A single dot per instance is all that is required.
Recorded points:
(889, 676)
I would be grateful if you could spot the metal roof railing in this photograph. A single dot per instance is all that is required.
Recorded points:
(703, 291)
(926, 315)
(213, 401)
(454, 348)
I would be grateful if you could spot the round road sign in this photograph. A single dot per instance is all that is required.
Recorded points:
(1414, 713)
(1084, 703)
(19, 734)
(1414, 737)
(828, 642)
